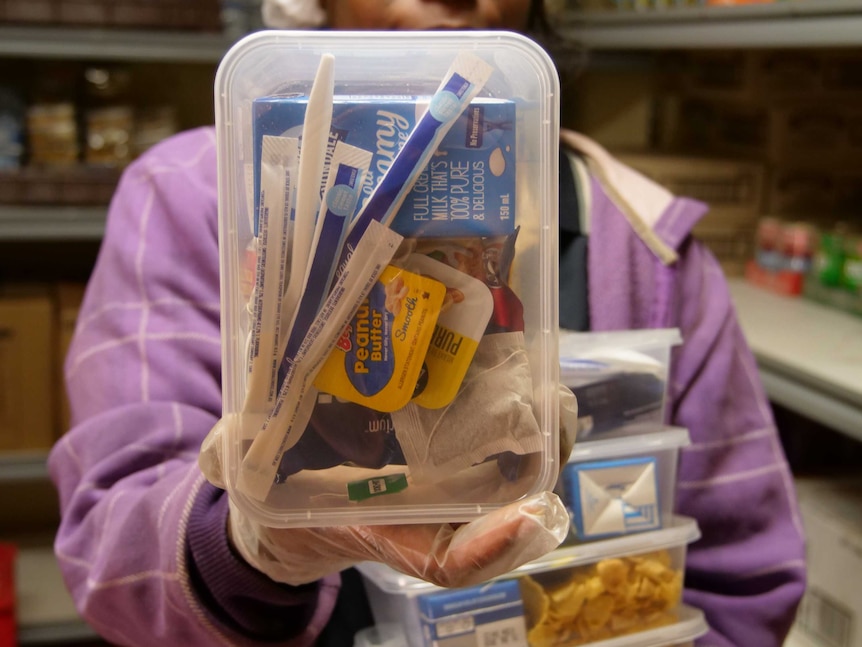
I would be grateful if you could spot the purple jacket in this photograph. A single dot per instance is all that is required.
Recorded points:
(142, 541)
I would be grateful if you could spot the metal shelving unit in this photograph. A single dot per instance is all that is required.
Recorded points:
(24, 466)
(808, 355)
(88, 223)
(784, 23)
(112, 45)
(51, 223)
(46, 613)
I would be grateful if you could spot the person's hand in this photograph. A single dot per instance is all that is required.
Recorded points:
(450, 555)
(441, 553)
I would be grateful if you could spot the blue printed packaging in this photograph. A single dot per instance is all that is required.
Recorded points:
(490, 614)
(468, 187)
(611, 498)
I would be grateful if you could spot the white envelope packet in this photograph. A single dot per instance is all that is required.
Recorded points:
(615, 497)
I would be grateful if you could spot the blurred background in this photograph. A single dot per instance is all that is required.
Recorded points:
(752, 107)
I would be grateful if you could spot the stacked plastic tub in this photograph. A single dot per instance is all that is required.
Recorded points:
(617, 580)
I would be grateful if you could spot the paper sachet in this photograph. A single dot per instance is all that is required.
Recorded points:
(615, 497)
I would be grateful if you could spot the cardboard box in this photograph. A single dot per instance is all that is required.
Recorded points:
(842, 74)
(792, 190)
(782, 75)
(30, 11)
(84, 12)
(26, 372)
(769, 77)
(615, 107)
(69, 297)
(727, 75)
(814, 133)
(733, 189)
(831, 611)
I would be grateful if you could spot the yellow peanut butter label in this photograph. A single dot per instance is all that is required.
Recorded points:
(379, 357)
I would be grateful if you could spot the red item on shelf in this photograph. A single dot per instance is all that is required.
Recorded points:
(7, 630)
(783, 282)
(7, 595)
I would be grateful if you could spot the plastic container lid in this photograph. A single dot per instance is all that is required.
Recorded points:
(573, 343)
(691, 625)
(682, 531)
(669, 438)
(380, 66)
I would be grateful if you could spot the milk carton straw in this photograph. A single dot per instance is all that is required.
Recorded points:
(463, 81)
(278, 182)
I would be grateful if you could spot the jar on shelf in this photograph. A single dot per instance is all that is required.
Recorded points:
(53, 134)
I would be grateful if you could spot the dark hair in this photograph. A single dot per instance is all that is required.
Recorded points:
(568, 55)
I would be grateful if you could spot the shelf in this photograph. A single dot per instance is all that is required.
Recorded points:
(46, 613)
(24, 466)
(788, 23)
(809, 356)
(52, 223)
(116, 44)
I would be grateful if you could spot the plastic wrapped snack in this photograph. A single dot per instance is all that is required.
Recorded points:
(387, 209)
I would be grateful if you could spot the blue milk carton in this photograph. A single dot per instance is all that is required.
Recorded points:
(468, 187)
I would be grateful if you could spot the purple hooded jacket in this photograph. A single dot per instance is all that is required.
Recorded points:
(142, 543)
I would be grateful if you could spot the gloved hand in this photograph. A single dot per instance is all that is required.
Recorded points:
(450, 555)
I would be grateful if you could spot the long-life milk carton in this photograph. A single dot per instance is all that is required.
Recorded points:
(468, 187)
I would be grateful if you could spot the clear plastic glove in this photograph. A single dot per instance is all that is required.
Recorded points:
(443, 554)
(450, 555)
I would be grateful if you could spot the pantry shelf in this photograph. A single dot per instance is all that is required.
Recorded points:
(25, 466)
(51, 223)
(790, 23)
(112, 44)
(46, 613)
(809, 356)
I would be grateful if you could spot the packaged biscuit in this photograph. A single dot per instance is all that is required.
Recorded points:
(387, 209)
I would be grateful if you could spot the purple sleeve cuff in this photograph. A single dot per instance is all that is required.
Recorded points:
(236, 594)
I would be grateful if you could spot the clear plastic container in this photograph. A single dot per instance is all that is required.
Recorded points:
(691, 625)
(549, 600)
(619, 486)
(354, 462)
(620, 378)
